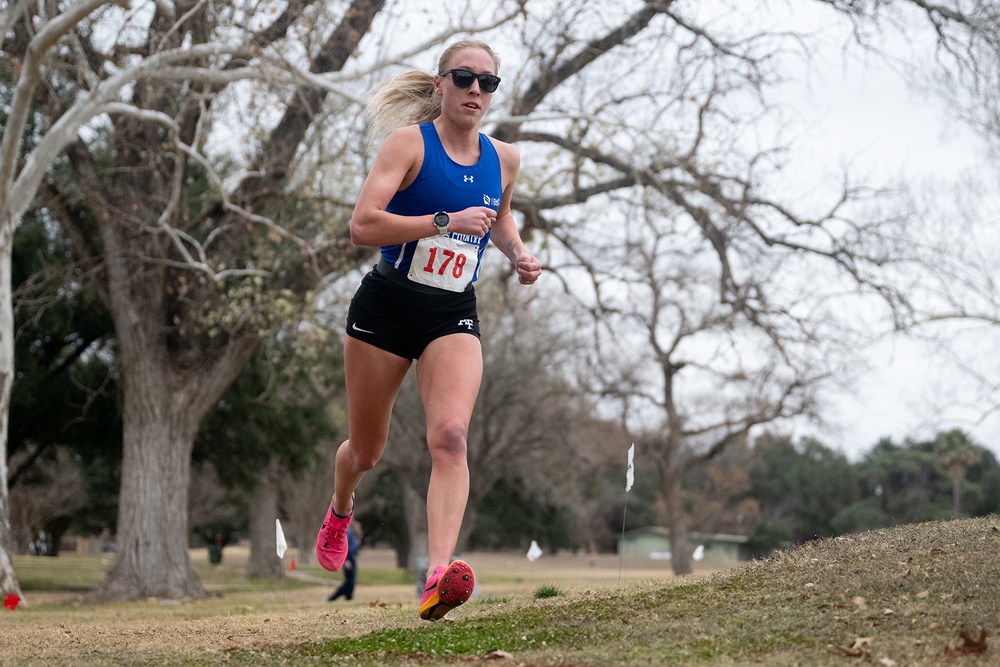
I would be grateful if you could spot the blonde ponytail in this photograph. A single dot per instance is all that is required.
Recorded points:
(405, 99)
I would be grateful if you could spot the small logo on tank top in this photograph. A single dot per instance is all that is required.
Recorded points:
(467, 178)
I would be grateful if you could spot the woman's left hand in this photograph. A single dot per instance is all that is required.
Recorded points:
(528, 269)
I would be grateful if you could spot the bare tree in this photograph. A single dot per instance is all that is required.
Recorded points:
(581, 470)
(214, 512)
(55, 490)
(693, 375)
(956, 301)
(719, 500)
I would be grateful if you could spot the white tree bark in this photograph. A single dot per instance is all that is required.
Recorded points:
(8, 578)
(13, 203)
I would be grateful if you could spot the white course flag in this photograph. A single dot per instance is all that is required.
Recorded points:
(282, 545)
(534, 551)
(630, 473)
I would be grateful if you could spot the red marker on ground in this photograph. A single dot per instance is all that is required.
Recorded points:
(11, 601)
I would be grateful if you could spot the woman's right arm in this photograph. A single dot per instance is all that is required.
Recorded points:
(397, 164)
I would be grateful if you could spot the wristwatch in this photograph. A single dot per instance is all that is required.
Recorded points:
(441, 221)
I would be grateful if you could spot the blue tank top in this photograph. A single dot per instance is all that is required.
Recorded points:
(444, 185)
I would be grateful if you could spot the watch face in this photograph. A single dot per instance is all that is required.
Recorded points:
(441, 219)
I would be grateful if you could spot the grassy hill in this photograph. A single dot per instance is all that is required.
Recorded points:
(918, 594)
(922, 594)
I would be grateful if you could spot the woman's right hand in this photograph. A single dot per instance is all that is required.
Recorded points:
(475, 220)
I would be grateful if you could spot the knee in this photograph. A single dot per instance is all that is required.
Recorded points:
(365, 461)
(362, 459)
(364, 464)
(448, 442)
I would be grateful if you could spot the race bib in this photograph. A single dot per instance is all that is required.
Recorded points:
(444, 262)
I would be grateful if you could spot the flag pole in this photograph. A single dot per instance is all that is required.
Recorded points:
(629, 480)
(282, 546)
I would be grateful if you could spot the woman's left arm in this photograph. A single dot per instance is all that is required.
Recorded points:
(504, 232)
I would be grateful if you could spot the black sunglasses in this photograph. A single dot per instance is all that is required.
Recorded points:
(463, 78)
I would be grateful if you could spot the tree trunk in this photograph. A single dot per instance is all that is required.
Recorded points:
(468, 523)
(415, 509)
(151, 545)
(956, 474)
(263, 506)
(680, 552)
(160, 420)
(8, 579)
(303, 541)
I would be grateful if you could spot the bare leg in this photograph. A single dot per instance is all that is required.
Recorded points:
(373, 379)
(449, 374)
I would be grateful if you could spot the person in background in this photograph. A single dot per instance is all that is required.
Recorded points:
(350, 566)
(437, 193)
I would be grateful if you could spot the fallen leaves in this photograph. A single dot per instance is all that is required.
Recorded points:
(969, 645)
(861, 642)
(385, 605)
(860, 648)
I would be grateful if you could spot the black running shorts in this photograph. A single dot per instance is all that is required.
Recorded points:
(401, 317)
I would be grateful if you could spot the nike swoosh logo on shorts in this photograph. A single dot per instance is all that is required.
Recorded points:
(360, 330)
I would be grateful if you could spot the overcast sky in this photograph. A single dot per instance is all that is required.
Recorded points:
(866, 112)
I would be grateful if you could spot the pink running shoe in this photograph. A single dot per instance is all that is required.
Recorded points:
(331, 542)
(447, 588)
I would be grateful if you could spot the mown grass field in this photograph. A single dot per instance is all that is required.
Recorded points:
(926, 594)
